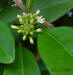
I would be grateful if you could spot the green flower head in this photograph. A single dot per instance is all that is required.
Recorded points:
(28, 22)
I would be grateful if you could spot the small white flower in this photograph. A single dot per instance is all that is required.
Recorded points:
(37, 12)
(18, 16)
(41, 20)
(38, 30)
(13, 5)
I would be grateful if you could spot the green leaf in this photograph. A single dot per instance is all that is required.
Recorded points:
(7, 48)
(25, 64)
(29, 4)
(53, 9)
(9, 14)
(56, 50)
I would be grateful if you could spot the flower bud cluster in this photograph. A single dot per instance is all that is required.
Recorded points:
(28, 22)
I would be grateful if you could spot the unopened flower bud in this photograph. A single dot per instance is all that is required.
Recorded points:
(31, 21)
(13, 5)
(37, 12)
(14, 27)
(31, 33)
(19, 31)
(38, 30)
(18, 16)
(31, 40)
(24, 37)
(21, 21)
(24, 13)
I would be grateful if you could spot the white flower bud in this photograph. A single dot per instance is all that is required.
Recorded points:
(37, 12)
(24, 37)
(31, 40)
(18, 16)
(14, 27)
(13, 5)
(38, 30)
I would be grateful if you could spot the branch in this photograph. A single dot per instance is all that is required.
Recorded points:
(46, 24)
(19, 4)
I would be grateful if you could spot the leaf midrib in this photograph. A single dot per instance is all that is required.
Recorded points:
(59, 41)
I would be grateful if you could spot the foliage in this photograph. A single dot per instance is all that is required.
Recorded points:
(54, 46)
